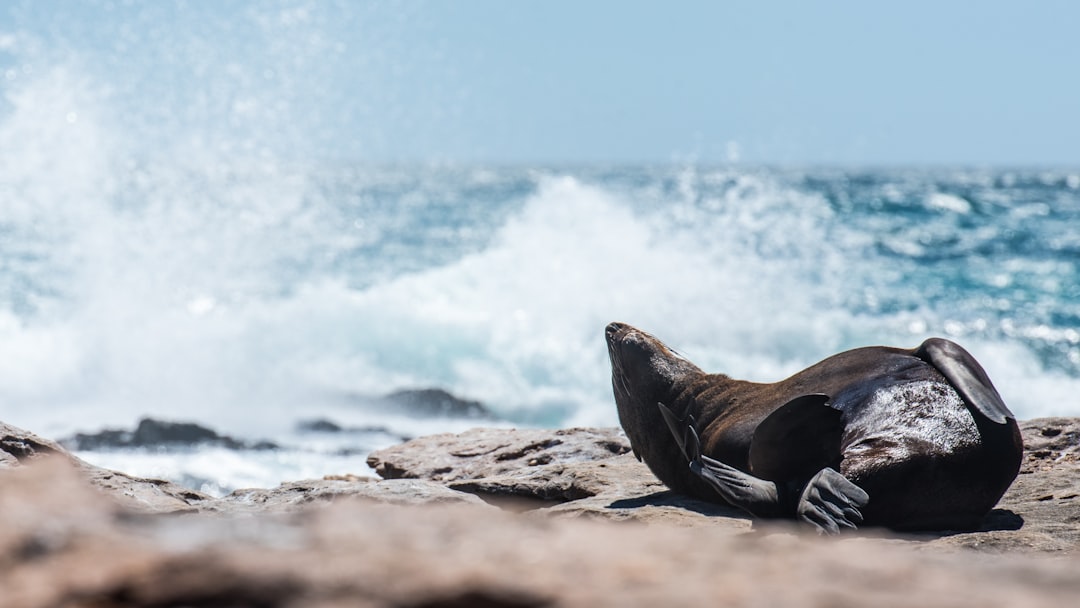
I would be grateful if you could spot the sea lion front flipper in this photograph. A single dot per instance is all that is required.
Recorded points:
(755, 496)
(680, 428)
(967, 377)
(758, 497)
(830, 502)
(797, 440)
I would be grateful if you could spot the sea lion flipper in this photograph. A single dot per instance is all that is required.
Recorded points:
(830, 502)
(967, 377)
(681, 428)
(797, 440)
(757, 497)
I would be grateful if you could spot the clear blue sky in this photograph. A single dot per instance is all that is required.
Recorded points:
(779, 82)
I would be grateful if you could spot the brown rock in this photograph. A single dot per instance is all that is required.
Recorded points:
(1041, 512)
(567, 472)
(368, 544)
(19, 447)
(64, 545)
(1044, 501)
(1049, 442)
(298, 495)
(485, 452)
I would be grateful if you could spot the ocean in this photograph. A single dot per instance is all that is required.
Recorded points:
(156, 260)
(250, 299)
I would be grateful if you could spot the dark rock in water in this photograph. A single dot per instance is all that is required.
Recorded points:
(437, 402)
(322, 425)
(96, 441)
(152, 433)
(319, 425)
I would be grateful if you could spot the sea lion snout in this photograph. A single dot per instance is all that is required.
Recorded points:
(639, 357)
(615, 333)
(612, 331)
(629, 346)
(622, 334)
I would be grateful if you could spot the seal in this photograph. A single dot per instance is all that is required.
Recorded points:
(909, 439)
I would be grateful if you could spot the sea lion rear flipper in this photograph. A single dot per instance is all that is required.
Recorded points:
(967, 377)
(797, 447)
(830, 502)
(797, 440)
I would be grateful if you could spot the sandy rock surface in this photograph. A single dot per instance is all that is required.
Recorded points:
(583, 524)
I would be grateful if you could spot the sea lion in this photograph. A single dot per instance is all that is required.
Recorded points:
(909, 439)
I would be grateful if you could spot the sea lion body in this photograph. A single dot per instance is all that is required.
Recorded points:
(930, 449)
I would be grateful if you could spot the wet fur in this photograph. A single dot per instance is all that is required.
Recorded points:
(928, 459)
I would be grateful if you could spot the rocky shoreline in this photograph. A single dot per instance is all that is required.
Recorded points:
(503, 517)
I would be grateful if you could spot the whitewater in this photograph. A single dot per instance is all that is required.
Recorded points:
(251, 300)
(155, 262)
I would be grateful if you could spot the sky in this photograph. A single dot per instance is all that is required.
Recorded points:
(768, 82)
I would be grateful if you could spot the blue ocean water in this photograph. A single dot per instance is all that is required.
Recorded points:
(251, 299)
(161, 260)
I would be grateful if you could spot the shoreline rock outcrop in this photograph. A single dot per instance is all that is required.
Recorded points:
(431, 535)
(153, 433)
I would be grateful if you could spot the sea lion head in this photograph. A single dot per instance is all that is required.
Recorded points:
(642, 367)
(644, 372)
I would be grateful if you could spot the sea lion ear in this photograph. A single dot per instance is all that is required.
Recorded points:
(797, 440)
(967, 377)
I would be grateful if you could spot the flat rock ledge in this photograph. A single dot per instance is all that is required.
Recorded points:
(513, 518)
